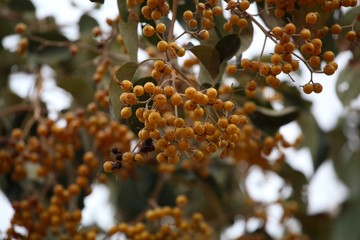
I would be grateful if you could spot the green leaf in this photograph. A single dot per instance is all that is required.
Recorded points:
(349, 17)
(209, 58)
(346, 224)
(125, 72)
(350, 77)
(347, 167)
(99, 1)
(22, 6)
(48, 54)
(315, 138)
(246, 37)
(78, 87)
(270, 120)
(87, 23)
(130, 196)
(228, 46)
(292, 96)
(128, 31)
(297, 180)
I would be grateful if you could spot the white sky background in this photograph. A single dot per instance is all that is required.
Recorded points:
(326, 109)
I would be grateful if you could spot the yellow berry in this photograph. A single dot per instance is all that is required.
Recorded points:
(154, 117)
(176, 99)
(149, 87)
(160, 28)
(181, 201)
(203, 35)
(126, 112)
(228, 106)
(138, 90)
(126, 85)
(328, 56)
(148, 30)
(211, 92)
(108, 167)
(305, 33)
(222, 122)
(162, 46)
(190, 93)
(187, 15)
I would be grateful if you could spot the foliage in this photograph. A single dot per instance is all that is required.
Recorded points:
(171, 136)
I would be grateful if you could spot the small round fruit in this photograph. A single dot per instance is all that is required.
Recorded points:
(20, 28)
(318, 88)
(231, 69)
(290, 28)
(161, 28)
(328, 56)
(311, 18)
(126, 85)
(138, 90)
(308, 88)
(187, 15)
(108, 167)
(162, 46)
(126, 112)
(148, 30)
(203, 35)
(251, 85)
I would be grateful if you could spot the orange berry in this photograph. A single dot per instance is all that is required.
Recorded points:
(329, 69)
(251, 85)
(211, 92)
(305, 33)
(328, 56)
(203, 35)
(308, 88)
(149, 87)
(108, 167)
(311, 18)
(228, 106)
(160, 28)
(217, 11)
(20, 28)
(275, 58)
(126, 112)
(350, 36)
(290, 29)
(231, 69)
(187, 15)
(162, 46)
(148, 30)
(335, 28)
(176, 99)
(126, 85)
(318, 88)
(138, 90)
(277, 31)
(190, 93)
